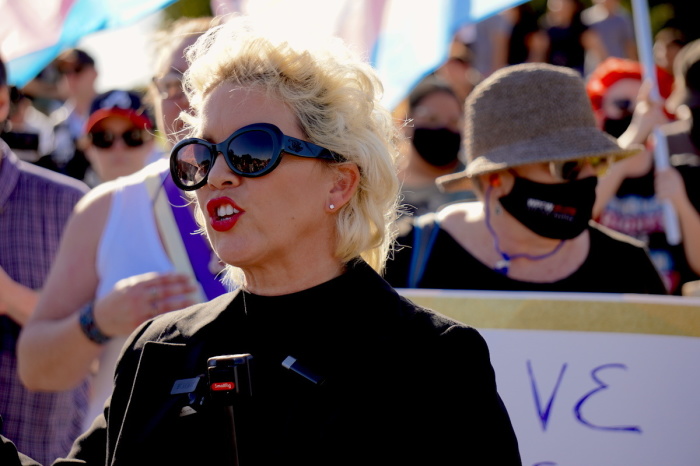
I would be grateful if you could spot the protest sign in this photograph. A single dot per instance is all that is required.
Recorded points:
(600, 379)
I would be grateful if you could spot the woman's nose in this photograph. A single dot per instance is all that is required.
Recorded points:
(221, 175)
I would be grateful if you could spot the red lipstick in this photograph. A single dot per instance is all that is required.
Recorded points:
(223, 213)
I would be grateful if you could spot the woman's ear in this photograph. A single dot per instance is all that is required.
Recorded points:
(347, 178)
(491, 182)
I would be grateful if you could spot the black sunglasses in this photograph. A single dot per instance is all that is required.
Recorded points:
(252, 151)
(569, 170)
(626, 105)
(105, 139)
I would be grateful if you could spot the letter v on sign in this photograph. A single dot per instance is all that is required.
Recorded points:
(544, 413)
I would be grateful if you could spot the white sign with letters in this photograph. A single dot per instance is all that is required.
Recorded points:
(604, 399)
(590, 379)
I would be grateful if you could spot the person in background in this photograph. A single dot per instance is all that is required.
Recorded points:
(48, 90)
(533, 163)
(667, 43)
(613, 88)
(80, 73)
(305, 221)
(458, 71)
(614, 26)
(524, 29)
(118, 137)
(627, 199)
(564, 40)
(679, 184)
(130, 253)
(431, 146)
(28, 132)
(34, 207)
(488, 42)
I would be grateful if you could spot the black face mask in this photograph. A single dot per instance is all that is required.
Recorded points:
(615, 127)
(438, 146)
(557, 211)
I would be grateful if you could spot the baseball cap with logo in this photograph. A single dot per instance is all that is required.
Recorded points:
(119, 103)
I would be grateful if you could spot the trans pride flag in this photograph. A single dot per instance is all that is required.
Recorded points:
(403, 39)
(34, 32)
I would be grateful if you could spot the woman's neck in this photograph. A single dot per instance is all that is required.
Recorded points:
(554, 261)
(277, 280)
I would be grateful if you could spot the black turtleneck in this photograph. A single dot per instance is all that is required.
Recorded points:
(401, 384)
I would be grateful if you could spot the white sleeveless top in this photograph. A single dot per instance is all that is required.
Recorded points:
(130, 245)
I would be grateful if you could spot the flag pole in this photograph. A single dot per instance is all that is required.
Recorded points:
(642, 28)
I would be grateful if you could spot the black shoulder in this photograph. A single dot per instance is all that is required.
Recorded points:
(601, 233)
(431, 323)
(180, 326)
(632, 268)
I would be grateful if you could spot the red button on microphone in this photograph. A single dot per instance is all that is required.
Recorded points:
(221, 386)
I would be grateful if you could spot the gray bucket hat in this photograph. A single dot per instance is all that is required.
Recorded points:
(529, 113)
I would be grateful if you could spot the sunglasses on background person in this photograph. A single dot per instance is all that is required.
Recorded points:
(569, 170)
(105, 139)
(252, 151)
(626, 105)
(169, 86)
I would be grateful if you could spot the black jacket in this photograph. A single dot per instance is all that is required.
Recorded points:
(400, 385)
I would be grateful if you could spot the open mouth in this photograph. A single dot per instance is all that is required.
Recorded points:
(226, 211)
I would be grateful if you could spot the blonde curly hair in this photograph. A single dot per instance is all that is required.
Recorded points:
(336, 99)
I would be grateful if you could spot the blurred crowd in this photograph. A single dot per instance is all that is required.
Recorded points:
(99, 163)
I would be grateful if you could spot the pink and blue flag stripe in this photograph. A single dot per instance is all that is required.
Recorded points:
(34, 32)
(403, 39)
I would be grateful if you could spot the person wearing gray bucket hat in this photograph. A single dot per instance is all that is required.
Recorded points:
(534, 154)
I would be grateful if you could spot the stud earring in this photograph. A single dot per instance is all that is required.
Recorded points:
(332, 206)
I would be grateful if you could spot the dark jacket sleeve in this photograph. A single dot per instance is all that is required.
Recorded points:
(623, 263)
(9, 456)
(473, 409)
(93, 446)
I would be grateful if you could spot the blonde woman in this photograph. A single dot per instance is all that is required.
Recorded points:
(292, 164)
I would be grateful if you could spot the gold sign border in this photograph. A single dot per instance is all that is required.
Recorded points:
(655, 315)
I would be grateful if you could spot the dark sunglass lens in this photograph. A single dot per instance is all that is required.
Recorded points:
(251, 152)
(102, 139)
(624, 104)
(570, 170)
(193, 164)
(133, 138)
(566, 171)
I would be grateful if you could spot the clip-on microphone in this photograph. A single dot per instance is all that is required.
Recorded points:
(229, 380)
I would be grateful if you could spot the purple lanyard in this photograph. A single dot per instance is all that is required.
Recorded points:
(196, 245)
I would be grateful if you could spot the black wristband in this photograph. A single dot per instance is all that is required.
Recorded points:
(89, 327)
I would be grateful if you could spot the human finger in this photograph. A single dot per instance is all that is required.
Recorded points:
(168, 288)
(172, 304)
